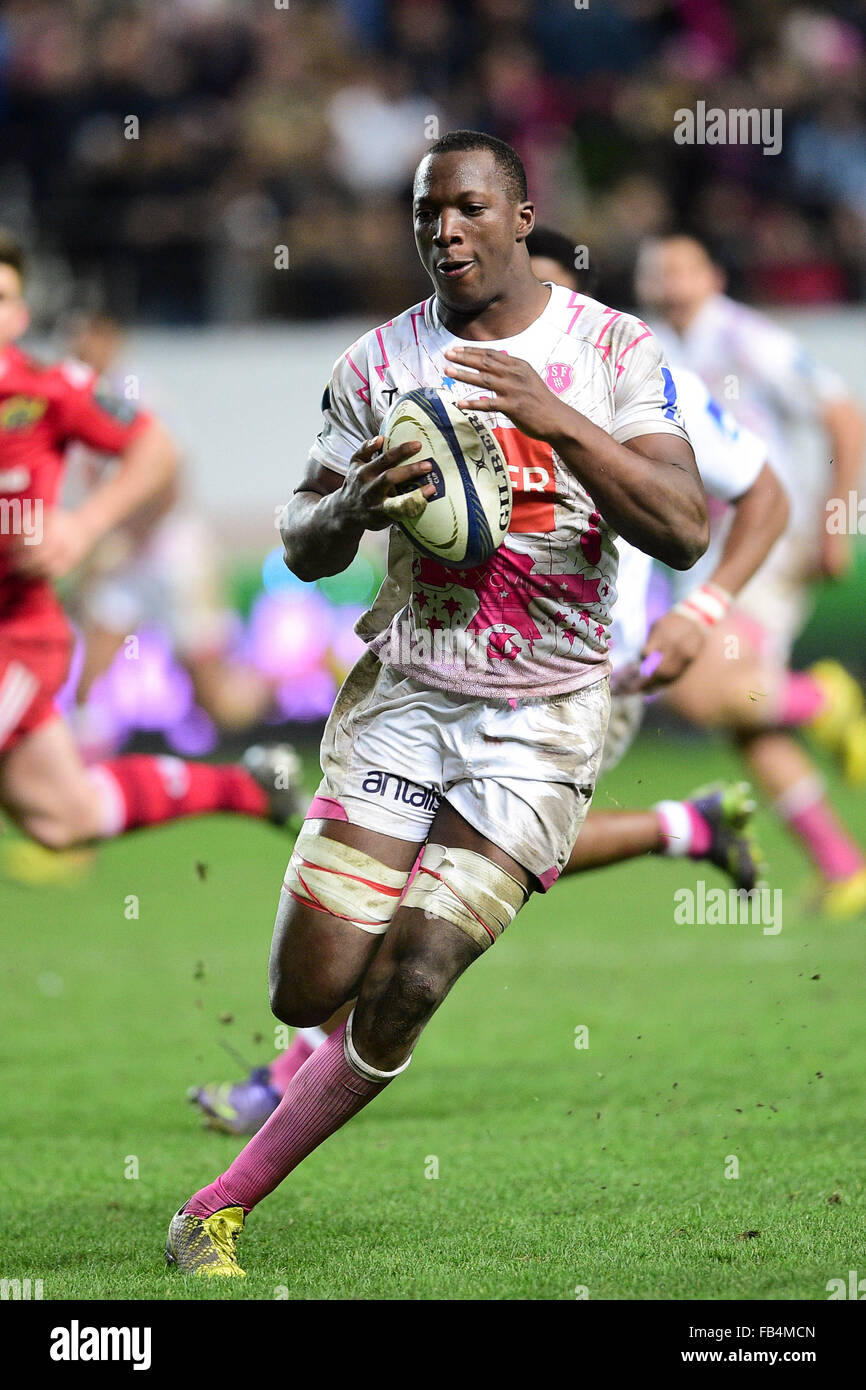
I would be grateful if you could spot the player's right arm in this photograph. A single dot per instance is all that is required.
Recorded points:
(323, 522)
(147, 463)
(349, 476)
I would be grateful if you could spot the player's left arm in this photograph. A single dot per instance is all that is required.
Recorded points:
(147, 463)
(760, 517)
(648, 489)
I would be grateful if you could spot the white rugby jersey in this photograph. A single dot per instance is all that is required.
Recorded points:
(729, 458)
(768, 382)
(534, 619)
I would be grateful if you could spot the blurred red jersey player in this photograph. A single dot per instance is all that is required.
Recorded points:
(42, 410)
(44, 785)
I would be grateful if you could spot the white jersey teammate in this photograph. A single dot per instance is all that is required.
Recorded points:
(730, 458)
(769, 383)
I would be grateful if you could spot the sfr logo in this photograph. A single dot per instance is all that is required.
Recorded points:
(529, 479)
(532, 472)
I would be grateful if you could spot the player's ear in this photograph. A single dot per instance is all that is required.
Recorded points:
(525, 220)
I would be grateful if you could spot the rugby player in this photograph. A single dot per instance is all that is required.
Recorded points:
(712, 824)
(497, 762)
(44, 785)
(770, 384)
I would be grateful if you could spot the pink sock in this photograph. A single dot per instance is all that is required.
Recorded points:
(322, 1096)
(802, 697)
(806, 811)
(286, 1064)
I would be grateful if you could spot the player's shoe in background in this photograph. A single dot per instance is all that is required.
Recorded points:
(239, 1108)
(840, 727)
(844, 900)
(31, 864)
(277, 769)
(728, 808)
(205, 1245)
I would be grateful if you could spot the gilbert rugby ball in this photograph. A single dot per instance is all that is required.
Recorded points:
(469, 516)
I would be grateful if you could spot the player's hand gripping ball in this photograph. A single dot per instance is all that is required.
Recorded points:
(468, 517)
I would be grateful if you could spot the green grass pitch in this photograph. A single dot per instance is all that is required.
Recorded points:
(560, 1168)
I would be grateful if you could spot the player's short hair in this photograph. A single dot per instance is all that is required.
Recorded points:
(700, 244)
(553, 246)
(11, 251)
(507, 159)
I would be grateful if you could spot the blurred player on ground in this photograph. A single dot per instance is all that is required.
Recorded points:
(490, 767)
(711, 825)
(44, 785)
(159, 567)
(742, 683)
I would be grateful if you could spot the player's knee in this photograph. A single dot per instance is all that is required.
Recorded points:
(292, 1007)
(398, 996)
(301, 1004)
(414, 989)
(393, 1007)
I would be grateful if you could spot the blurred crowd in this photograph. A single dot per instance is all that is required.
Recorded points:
(160, 154)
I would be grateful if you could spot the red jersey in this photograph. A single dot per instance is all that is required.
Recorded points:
(42, 410)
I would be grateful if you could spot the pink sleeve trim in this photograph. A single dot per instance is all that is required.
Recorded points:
(362, 391)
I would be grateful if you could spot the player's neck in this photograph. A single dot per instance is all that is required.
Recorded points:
(504, 316)
(683, 320)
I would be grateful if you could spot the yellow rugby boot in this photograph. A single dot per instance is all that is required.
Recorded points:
(854, 752)
(843, 709)
(205, 1245)
(28, 863)
(846, 899)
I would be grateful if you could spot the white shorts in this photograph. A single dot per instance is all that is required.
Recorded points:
(626, 717)
(522, 776)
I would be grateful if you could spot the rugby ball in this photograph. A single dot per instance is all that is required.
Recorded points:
(469, 516)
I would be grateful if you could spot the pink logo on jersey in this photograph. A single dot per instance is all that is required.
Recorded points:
(559, 376)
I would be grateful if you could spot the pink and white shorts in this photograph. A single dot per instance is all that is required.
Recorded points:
(521, 774)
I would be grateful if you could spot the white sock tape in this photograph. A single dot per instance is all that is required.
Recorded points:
(676, 827)
(706, 605)
(359, 1065)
